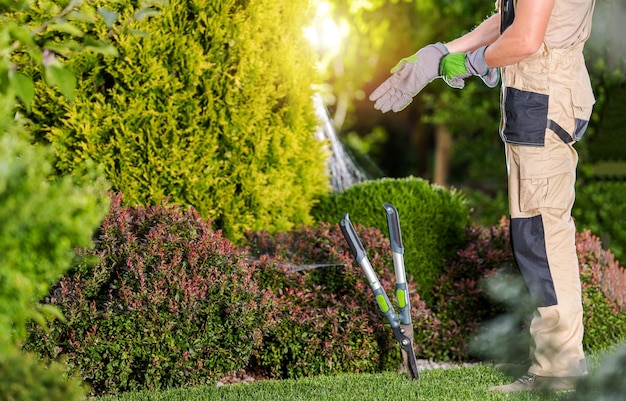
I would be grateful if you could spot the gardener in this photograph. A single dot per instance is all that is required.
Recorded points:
(536, 46)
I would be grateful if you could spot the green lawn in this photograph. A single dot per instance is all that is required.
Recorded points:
(456, 384)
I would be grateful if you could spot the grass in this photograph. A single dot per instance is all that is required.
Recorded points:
(456, 384)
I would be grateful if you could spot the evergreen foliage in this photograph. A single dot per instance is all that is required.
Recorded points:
(23, 377)
(432, 221)
(208, 104)
(42, 219)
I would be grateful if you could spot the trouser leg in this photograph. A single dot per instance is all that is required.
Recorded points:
(541, 197)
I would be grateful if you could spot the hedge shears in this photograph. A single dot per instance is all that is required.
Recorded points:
(400, 324)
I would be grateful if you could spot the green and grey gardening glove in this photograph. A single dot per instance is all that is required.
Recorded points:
(408, 78)
(456, 67)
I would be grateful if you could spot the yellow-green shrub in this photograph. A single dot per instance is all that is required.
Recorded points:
(211, 109)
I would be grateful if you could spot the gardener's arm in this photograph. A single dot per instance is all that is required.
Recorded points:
(520, 40)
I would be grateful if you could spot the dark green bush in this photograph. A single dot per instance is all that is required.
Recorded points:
(24, 377)
(162, 301)
(328, 320)
(210, 107)
(486, 210)
(600, 207)
(432, 220)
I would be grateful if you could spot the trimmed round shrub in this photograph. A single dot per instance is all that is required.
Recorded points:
(328, 319)
(162, 301)
(432, 220)
(24, 377)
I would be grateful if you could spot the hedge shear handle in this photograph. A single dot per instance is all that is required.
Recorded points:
(402, 289)
(361, 258)
(402, 332)
(405, 338)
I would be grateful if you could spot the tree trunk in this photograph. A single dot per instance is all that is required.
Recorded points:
(443, 150)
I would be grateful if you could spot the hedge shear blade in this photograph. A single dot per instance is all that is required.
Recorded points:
(400, 324)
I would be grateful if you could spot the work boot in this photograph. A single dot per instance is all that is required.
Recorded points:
(530, 382)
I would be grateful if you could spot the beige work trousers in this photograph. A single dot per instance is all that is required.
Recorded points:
(541, 197)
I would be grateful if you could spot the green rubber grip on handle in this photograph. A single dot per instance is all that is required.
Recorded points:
(385, 307)
(402, 294)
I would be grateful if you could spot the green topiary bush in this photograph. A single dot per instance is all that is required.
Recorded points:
(208, 104)
(432, 220)
(162, 301)
(24, 377)
(328, 319)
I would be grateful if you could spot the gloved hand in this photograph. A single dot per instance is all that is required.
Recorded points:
(456, 67)
(408, 78)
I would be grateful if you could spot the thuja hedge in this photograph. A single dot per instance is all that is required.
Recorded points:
(208, 104)
(432, 220)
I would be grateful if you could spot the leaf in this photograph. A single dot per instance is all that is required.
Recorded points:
(108, 16)
(64, 48)
(22, 34)
(67, 27)
(4, 78)
(85, 14)
(57, 75)
(99, 46)
(23, 87)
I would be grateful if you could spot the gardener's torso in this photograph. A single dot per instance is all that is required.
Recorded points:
(551, 88)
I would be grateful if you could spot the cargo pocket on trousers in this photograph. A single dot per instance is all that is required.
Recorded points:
(545, 183)
(525, 117)
(582, 104)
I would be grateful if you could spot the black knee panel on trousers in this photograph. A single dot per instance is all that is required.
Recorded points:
(529, 248)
